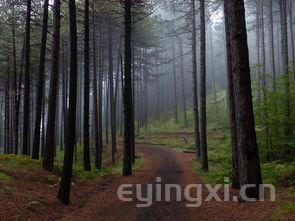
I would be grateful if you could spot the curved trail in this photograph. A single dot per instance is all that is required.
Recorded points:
(173, 168)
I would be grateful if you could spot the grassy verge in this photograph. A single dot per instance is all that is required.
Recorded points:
(10, 164)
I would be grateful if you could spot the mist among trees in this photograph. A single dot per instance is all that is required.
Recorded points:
(89, 88)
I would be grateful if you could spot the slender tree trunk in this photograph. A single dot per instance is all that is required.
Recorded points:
(285, 59)
(26, 114)
(204, 154)
(97, 110)
(174, 82)
(272, 48)
(195, 87)
(122, 90)
(158, 91)
(264, 84)
(212, 67)
(65, 185)
(86, 154)
(15, 89)
(43, 125)
(117, 81)
(7, 111)
(48, 161)
(258, 12)
(17, 107)
(107, 96)
(250, 172)
(39, 95)
(180, 40)
(111, 94)
(98, 160)
(292, 37)
(127, 93)
(2, 137)
(133, 94)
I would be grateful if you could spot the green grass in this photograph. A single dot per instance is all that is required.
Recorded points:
(94, 174)
(4, 178)
(18, 162)
(11, 163)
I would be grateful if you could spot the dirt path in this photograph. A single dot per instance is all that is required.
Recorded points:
(173, 168)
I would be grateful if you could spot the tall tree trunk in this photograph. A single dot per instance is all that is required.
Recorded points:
(264, 89)
(250, 171)
(7, 111)
(231, 98)
(127, 93)
(133, 94)
(15, 89)
(107, 118)
(48, 161)
(212, 67)
(17, 106)
(97, 107)
(26, 115)
(285, 59)
(258, 15)
(157, 91)
(174, 81)
(122, 89)
(39, 95)
(65, 185)
(272, 48)
(195, 83)
(180, 40)
(111, 94)
(204, 154)
(86, 154)
(292, 37)
(43, 125)
(98, 160)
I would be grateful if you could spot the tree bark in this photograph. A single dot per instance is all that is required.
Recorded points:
(15, 88)
(232, 109)
(195, 82)
(285, 60)
(86, 153)
(272, 48)
(127, 93)
(250, 171)
(212, 67)
(111, 94)
(185, 121)
(65, 185)
(258, 28)
(204, 154)
(174, 81)
(39, 95)
(264, 84)
(292, 37)
(26, 115)
(48, 160)
(97, 107)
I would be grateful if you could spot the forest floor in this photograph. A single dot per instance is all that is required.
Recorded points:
(31, 194)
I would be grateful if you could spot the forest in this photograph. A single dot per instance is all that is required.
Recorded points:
(147, 110)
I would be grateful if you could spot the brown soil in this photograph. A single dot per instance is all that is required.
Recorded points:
(31, 199)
